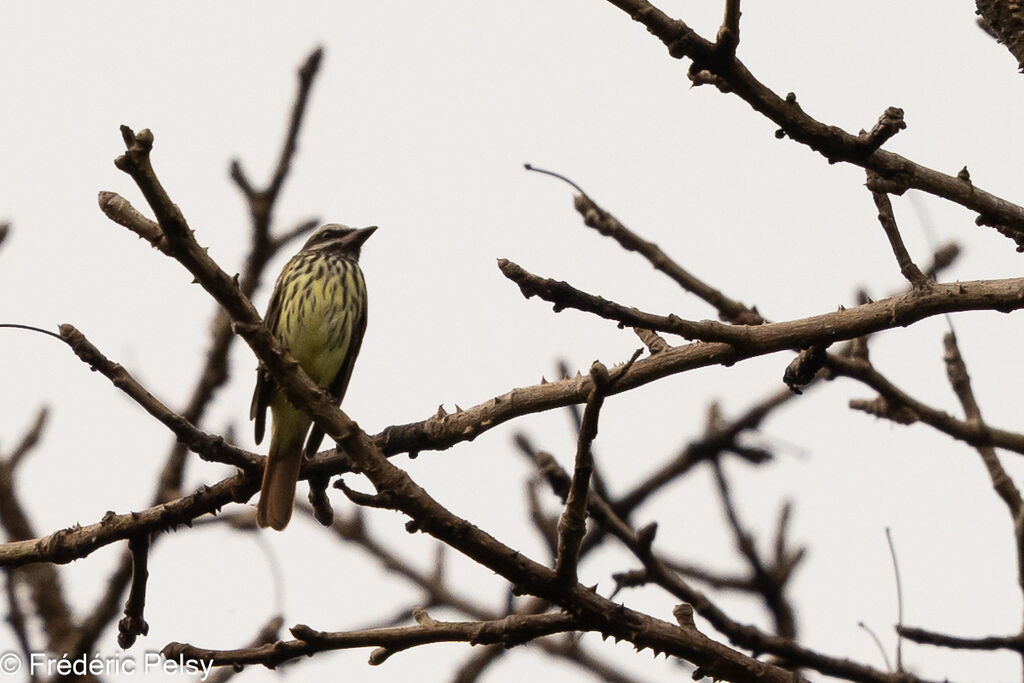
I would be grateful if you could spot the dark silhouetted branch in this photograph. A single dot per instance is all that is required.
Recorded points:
(508, 631)
(573, 523)
(892, 232)
(134, 623)
(711, 65)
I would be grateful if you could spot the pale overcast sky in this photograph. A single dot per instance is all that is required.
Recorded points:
(420, 122)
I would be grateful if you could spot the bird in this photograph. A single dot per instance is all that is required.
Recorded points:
(318, 313)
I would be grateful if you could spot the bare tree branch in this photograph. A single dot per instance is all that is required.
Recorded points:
(969, 432)
(961, 382)
(16, 618)
(605, 223)
(560, 606)
(1004, 20)
(573, 523)
(261, 202)
(900, 310)
(30, 439)
(215, 370)
(43, 581)
(832, 142)
(658, 571)
(134, 624)
(919, 635)
(266, 635)
(208, 447)
(768, 583)
(1003, 485)
(508, 631)
(729, 34)
(401, 492)
(910, 271)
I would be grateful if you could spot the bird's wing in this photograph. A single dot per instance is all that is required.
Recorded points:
(265, 384)
(338, 387)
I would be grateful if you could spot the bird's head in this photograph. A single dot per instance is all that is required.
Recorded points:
(339, 238)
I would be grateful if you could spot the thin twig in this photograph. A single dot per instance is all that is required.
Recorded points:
(724, 438)
(899, 599)
(713, 579)
(594, 216)
(827, 328)
(960, 380)
(214, 373)
(134, 623)
(729, 34)
(573, 523)
(307, 72)
(30, 328)
(16, 617)
(427, 514)
(267, 634)
(925, 637)
(832, 142)
(963, 430)
(769, 584)
(209, 447)
(749, 637)
(910, 271)
(508, 631)
(46, 591)
(878, 643)
(30, 439)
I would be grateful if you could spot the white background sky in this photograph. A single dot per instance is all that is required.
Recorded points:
(420, 121)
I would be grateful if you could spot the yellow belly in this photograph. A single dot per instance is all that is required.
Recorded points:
(317, 327)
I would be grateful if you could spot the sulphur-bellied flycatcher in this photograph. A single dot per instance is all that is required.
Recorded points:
(318, 311)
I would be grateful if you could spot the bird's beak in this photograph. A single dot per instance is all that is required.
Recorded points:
(356, 239)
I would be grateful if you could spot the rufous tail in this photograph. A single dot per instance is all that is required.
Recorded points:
(277, 493)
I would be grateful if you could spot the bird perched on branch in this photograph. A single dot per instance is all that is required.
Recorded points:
(318, 312)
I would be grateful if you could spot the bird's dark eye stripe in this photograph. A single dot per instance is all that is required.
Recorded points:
(330, 235)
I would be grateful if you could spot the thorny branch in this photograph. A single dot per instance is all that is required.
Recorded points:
(888, 221)
(445, 430)
(770, 583)
(394, 486)
(749, 335)
(1004, 20)
(508, 631)
(753, 340)
(573, 523)
(43, 581)
(596, 217)
(437, 592)
(213, 375)
(1004, 487)
(725, 71)
(924, 637)
(134, 624)
(659, 572)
